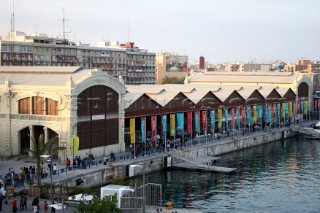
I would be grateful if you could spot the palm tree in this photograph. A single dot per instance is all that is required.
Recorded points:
(40, 148)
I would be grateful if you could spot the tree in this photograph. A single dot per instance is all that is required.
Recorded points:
(106, 205)
(172, 80)
(40, 148)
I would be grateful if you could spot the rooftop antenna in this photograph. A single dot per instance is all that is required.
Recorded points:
(12, 32)
(64, 25)
(128, 30)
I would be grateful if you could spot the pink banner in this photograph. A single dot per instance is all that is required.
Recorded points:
(153, 126)
(312, 105)
(274, 109)
(204, 120)
(243, 114)
(189, 121)
(318, 105)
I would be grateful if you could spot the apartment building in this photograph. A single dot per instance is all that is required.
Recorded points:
(135, 65)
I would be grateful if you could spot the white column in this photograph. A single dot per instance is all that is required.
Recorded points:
(31, 136)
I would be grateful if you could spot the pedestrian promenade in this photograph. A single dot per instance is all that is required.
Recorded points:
(124, 158)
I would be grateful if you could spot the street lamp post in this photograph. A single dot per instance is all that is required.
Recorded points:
(50, 169)
(143, 188)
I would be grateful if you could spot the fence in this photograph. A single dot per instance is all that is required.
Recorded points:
(133, 201)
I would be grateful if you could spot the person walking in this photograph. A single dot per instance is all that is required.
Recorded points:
(14, 205)
(45, 207)
(21, 202)
(53, 210)
(25, 199)
(1, 196)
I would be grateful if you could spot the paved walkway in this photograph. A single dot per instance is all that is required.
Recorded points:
(8, 207)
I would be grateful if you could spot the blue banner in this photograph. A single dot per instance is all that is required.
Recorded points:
(212, 119)
(196, 122)
(143, 132)
(309, 105)
(237, 118)
(301, 107)
(180, 123)
(164, 125)
(249, 116)
(269, 118)
(259, 108)
(226, 116)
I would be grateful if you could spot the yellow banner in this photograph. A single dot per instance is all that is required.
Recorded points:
(132, 130)
(290, 110)
(74, 142)
(255, 113)
(172, 124)
(305, 107)
(219, 118)
(283, 108)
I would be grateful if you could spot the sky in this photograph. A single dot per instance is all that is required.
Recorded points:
(223, 31)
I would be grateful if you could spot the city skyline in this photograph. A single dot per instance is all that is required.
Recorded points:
(225, 31)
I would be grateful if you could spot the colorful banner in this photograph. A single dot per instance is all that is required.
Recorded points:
(237, 119)
(164, 125)
(226, 117)
(243, 115)
(286, 110)
(298, 107)
(143, 130)
(212, 119)
(153, 126)
(290, 109)
(219, 118)
(197, 122)
(260, 111)
(305, 107)
(274, 111)
(189, 121)
(132, 130)
(249, 116)
(74, 142)
(269, 117)
(204, 120)
(283, 106)
(232, 117)
(180, 123)
(255, 114)
(172, 125)
(278, 111)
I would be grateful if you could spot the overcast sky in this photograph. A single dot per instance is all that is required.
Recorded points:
(220, 30)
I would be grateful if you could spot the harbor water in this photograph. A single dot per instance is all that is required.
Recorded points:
(281, 176)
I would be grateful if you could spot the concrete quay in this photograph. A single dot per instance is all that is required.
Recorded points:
(97, 174)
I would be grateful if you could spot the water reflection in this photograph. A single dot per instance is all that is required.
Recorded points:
(282, 176)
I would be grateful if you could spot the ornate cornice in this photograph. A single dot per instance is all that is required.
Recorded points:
(39, 118)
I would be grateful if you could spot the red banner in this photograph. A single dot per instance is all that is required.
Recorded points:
(204, 120)
(312, 105)
(153, 126)
(318, 105)
(232, 117)
(189, 121)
